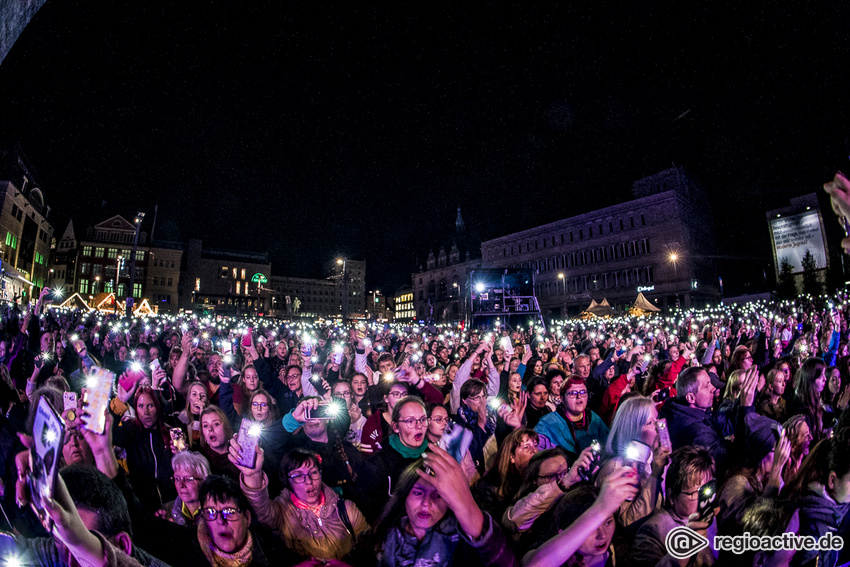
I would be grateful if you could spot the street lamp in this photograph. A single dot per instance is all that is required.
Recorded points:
(561, 277)
(674, 259)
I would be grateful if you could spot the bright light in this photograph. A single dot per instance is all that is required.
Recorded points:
(14, 561)
(228, 359)
(50, 436)
(560, 276)
(674, 257)
(255, 430)
(136, 366)
(479, 287)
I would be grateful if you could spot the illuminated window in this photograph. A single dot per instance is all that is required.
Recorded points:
(98, 252)
(238, 288)
(84, 286)
(243, 273)
(140, 255)
(197, 284)
(137, 290)
(224, 272)
(86, 250)
(234, 274)
(112, 254)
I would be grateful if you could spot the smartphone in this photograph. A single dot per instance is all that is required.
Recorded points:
(596, 453)
(705, 504)
(663, 394)
(456, 440)
(48, 436)
(248, 337)
(663, 433)
(338, 352)
(96, 395)
(155, 365)
(69, 405)
(249, 436)
(226, 348)
(307, 347)
(178, 439)
(325, 411)
(132, 376)
(636, 455)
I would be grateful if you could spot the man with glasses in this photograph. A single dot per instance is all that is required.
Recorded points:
(572, 426)
(342, 390)
(690, 468)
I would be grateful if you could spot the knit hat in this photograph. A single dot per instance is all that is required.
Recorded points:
(760, 439)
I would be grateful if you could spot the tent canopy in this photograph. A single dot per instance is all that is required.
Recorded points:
(643, 303)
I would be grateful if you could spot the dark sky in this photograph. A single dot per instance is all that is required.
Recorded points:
(311, 130)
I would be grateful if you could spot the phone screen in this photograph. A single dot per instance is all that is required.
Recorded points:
(48, 436)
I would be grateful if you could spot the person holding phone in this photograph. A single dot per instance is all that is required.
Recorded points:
(690, 468)
(307, 513)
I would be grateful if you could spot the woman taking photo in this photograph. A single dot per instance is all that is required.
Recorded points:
(433, 520)
(307, 514)
(809, 383)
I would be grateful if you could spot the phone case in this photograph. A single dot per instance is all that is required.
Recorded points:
(48, 438)
(664, 434)
(98, 393)
(249, 436)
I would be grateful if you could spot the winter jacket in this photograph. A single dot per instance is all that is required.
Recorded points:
(286, 399)
(558, 432)
(377, 479)
(819, 514)
(694, 426)
(42, 551)
(375, 433)
(446, 544)
(308, 535)
(148, 462)
(649, 548)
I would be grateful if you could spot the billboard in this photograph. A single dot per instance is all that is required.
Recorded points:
(794, 235)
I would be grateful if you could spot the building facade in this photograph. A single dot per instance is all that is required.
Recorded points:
(438, 291)
(661, 243)
(25, 230)
(356, 273)
(403, 310)
(229, 282)
(304, 297)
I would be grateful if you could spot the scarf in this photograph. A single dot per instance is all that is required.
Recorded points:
(436, 548)
(404, 450)
(469, 418)
(218, 558)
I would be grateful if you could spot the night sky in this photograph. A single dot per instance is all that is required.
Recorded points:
(313, 131)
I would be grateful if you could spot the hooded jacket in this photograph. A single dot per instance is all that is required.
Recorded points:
(819, 515)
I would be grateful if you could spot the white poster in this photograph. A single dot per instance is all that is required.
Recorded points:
(793, 236)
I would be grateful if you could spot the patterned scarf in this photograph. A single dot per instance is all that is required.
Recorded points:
(218, 558)
(404, 550)
(469, 418)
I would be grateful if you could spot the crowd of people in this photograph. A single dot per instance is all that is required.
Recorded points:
(237, 442)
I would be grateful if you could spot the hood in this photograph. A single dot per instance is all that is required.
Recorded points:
(817, 505)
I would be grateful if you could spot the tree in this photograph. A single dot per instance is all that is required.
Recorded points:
(811, 285)
(786, 288)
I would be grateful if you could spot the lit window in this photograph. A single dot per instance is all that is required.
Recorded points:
(98, 252)
(197, 284)
(238, 288)
(243, 273)
(86, 250)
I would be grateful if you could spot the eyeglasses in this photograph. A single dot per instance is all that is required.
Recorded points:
(412, 422)
(398, 394)
(477, 398)
(70, 435)
(547, 478)
(259, 404)
(301, 478)
(692, 493)
(229, 514)
(293, 376)
(185, 480)
(748, 357)
(576, 393)
(343, 394)
(440, 420)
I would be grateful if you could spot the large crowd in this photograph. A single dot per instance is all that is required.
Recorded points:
(233, 442)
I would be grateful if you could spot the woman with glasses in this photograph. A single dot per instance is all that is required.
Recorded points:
(741, 359)
(307, 514)
(406, 444)
(546, 478)
(572, 426)
(190, 470)
(378, 426)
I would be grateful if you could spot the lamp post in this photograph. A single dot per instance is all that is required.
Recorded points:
(138, 222)
(674, 259)
(344, 263)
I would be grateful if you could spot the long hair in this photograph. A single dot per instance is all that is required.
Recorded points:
(509, 477)
(190, 418)
(529, 369)
(271, 416)
(830, 455)
(628, 424)
(395, 509)
(225, 423)
(804, 389)
(737, 360)
(529, 479)
(157, 402)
